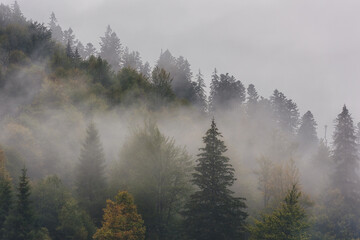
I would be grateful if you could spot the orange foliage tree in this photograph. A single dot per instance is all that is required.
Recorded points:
(121, 220)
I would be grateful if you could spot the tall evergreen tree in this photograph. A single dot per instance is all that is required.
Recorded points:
(307, 135)
(200, 92)
(286, 113)
(111, 49)
(56, 31)
(17, 15)
(346, 158)
(20, 224)
(213, 86)
(5, 193)
(69, 38)
(252, 100)
(213, 212)
(226, 91)
(90, 179)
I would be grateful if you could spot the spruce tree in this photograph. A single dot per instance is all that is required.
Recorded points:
(213, 213)
(20, 224)
(200, 92)
(5, 193)
(90, 179)
(346, 158)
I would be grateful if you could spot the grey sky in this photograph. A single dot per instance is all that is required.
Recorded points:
(310, 50)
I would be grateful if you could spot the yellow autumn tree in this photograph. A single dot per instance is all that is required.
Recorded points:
(121, 220)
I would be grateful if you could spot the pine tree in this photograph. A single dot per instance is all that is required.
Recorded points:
(307, 135)
(213, 212)
(111, 49)
(121, 220)
(90, 179)
(19, 225)
(287, 222)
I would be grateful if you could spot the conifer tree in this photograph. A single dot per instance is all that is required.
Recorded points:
(69, 51)
(346, 158)
(69, 38)
(111, 49)
(121, 220)
(89, 51)
(252, 100)
(307, 135)
(212, 212)
(200, 92)
(56, 31)
(5, 193)
(287, 222)
(90, 179)
(19, 225)
(17, 15)
(226, 91)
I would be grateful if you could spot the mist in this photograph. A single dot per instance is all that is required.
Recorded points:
(136, 115)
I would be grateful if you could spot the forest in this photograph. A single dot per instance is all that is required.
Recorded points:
(97, 144)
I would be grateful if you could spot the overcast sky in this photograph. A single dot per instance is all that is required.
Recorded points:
(310, 50)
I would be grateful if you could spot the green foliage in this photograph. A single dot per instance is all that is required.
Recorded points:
(20, 224)
(288, 222)
(48, 197)
(121, 220)
(75, 223)
(156, 172)
(90, 179)
(212, 212)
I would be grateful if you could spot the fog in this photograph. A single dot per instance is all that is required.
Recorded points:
(309, 50)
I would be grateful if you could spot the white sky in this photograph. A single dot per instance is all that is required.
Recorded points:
(310, 50)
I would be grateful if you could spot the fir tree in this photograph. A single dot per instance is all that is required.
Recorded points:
(213, 212)
(5, 193)
(346, 158)
(111, 49)
(200, 92)
(90, 180)
(19, 225)
(17, 15)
